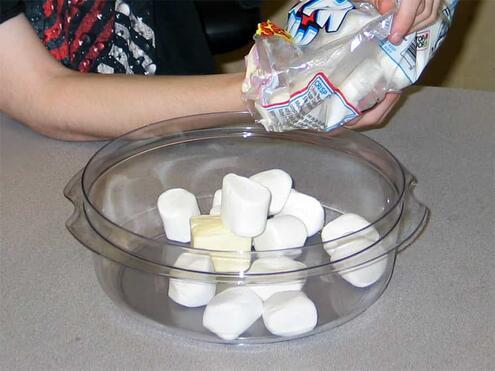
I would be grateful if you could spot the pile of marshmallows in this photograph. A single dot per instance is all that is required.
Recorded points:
(266, 213)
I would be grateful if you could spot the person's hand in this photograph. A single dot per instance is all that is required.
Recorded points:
(412, 15)
(376, 115)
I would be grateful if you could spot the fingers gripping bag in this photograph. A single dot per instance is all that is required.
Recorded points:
(332, 62)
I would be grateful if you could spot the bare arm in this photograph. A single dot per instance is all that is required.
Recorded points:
(56, 101)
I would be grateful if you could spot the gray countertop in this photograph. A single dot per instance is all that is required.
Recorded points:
(437, 313)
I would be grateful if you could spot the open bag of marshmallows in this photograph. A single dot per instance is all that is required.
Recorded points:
(332, 62)
(259, 225)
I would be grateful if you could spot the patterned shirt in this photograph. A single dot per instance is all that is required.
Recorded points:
(120, 36)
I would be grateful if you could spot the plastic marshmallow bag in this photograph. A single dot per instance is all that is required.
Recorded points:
(332, 63)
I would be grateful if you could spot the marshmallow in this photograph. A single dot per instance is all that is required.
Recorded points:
(396, 77)
(365, 274)
(232, 312)
(281, 232)
(353, 23)
(176, 206)
(273, 265)
(339, 247)
(344, 225)
(244, 205)
(216, 206)
(188, 292)
(279, 183)
(289, 313)
(360, 82)
(215, 211)
(209, 233)
(279, 95)
(308, 209)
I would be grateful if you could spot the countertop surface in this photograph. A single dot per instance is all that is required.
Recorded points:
(437, 313)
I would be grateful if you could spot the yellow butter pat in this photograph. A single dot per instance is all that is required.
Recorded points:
(209, 233)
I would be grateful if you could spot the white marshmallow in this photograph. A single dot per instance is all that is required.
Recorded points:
(353, 23)
(273, 265)
(279, 95)
(396, 78)
(363, 275)
(279, 183)
(340, 247)
(188, 292)
(232, 312)
(176, 206)
(289, 313)
(308, 209)
(217, 198)
(344, 225)
(360, 82)
(244, 205)
(281, 232)
(216, 206)
(215, 211)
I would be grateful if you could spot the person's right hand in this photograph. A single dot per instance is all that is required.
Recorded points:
(377, 115)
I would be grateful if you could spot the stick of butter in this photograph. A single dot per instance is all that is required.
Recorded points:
(209, 233)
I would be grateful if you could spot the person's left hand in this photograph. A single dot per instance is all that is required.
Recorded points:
(376, 115)
(412, 16)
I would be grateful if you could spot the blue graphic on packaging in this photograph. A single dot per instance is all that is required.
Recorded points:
(321, 87)
(306, 19)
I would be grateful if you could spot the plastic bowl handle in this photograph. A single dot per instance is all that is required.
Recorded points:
(415, 214)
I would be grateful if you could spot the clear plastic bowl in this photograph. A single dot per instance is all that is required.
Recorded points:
(116, 216)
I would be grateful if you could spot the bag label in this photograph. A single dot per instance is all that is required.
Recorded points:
(304, 107)
(414, 53)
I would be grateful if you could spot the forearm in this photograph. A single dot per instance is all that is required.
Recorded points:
(86, 106)
(58, 102)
